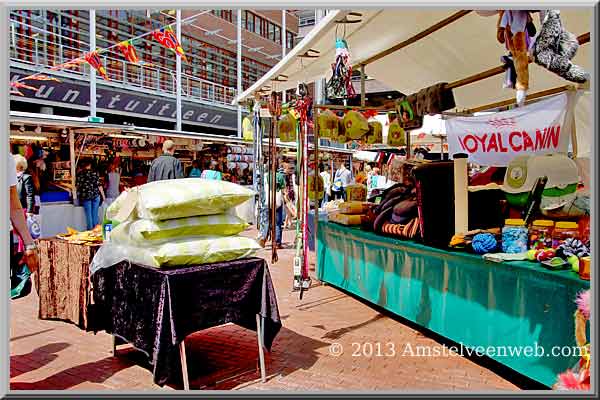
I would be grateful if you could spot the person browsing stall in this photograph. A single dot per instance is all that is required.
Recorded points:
(166, 166)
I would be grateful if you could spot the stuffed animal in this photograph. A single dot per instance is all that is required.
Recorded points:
(514, 29)
(555, 47)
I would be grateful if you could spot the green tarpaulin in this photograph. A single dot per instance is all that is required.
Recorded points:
(512, 306)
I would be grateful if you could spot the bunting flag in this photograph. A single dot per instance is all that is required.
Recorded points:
(167, 38)
(40, 78)
(19, 85)
(69, 64)
(95, 62)
(16, 92)
(128, 51)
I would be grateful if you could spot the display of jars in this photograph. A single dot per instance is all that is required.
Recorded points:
(540, 234)
(564, 230)
(514, 236)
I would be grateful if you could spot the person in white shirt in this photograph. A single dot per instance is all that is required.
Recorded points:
(326, 175)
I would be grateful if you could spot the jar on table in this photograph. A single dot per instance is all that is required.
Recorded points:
(514, 236)
(564, 230)
(540, 234)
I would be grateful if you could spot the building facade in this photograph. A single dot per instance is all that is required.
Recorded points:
(144, 93)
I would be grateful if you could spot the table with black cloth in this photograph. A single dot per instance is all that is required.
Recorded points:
(155, 309)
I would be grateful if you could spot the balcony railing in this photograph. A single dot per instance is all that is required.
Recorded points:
(42, 54)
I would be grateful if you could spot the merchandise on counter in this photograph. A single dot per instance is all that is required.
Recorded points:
(572, 247)
(356, 192)
(404, 211)
(584, 267)
(348, 219)
(540, 234)
(90, 237)
(145, 231)
(514, 236)
(179, 198)
(534, 200)
(354, 207)
(501, 257)
(486, 207)
(332, 205)
(484, 243)
(556, 263)
(564, 230)
(403, 231)
(541, 254)
(560, 190)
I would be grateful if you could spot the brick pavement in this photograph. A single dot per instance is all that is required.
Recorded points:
(58, 355)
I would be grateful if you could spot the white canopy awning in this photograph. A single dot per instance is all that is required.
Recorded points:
(463, 48)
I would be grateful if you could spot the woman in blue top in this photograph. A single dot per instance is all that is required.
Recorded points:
(195, 172)
(211, 172)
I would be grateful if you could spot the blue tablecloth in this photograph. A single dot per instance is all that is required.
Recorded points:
(459, 295)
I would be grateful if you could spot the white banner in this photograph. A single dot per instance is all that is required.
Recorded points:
(495, 139)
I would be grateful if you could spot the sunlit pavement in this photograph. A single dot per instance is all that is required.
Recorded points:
(329, 341)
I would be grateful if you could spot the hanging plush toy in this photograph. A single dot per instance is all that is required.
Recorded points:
(247, 129)
(396, 134)
(375, 134)
(515, 29)
(288, 126)
(340, 85)
(555, 47)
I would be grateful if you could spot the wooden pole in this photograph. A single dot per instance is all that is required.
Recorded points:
(532, 96)
(445, 22)
(73, 165)
(582, 39)
(363, 95)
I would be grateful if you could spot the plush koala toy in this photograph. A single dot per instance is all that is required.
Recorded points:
(555, 47)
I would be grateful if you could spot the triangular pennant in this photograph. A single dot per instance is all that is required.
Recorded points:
(16, 92)
(95, 62)
(19, 85)
(128, 51)
(167, 38)
(40, 78)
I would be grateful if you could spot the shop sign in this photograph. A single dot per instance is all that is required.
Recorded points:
(495, 139)
(127, 102)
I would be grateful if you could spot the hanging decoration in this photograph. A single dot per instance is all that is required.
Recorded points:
(69, 64)
(16, 92)
(19, 85)
(166, 36)
(340, 84)
(95, 62)
(128, 51)
(40, 78)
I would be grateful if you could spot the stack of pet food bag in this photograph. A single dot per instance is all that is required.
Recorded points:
(355, 210)
(179, 223)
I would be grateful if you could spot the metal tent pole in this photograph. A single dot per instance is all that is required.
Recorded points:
(92, 18)
(178, 73)
(239, 69)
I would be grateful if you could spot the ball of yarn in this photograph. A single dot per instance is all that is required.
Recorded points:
(484, 243)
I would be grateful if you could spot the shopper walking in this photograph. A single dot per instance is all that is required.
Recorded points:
(25, 187)
(90, 192)
(166, 166)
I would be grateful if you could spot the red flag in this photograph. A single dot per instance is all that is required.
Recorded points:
(167, 38)
(40, 78)
(128, 51)
(16, 92)
(68, 64)
(94, 60)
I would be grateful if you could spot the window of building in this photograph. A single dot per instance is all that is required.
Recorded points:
(289, 40)
(277, 37)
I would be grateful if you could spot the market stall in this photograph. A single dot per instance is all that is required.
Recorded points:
(435, 247)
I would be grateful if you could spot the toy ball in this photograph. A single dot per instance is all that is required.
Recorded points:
(574, 261)
(544, 254)
(531, 254)
(484, 243)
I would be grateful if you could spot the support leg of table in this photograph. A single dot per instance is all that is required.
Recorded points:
(184, 370)
(114, 346)
(261, 353)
